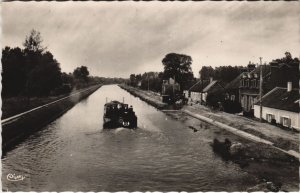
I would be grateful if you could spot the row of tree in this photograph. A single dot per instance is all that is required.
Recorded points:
(147, 81)
(176, 66)
(223, 73)
(33, 71)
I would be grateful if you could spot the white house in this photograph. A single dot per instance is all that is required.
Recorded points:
(194, 92)
(280, 105)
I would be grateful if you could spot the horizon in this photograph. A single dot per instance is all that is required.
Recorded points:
(212, 33)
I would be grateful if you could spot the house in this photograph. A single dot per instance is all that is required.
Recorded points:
(249, 87)
(169, 89)
(280, 106)
(232, 102)
(193, 91)
(232, 88)
(281, 73)
(214, 86)
(276, 74)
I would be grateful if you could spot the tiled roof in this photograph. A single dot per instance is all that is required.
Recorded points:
(235, 83)
(210, 85)
(279, 98)
(198, 86)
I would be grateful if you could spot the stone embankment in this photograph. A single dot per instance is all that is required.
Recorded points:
(149, 97)
(18, 127)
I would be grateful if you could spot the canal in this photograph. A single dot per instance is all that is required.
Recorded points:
(74, 153)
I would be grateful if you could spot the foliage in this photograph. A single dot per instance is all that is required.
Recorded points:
(206, 72)
(81, 73)
(288, 59)
(178, 66)
(223, 73)
(148, 80)
(13, 71)
(33, 42)
(31, 71)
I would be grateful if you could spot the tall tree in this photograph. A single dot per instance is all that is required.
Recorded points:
(227, 73)
(31, 71)
(206, 72)
(13, 71)
(45, 77)
(81, 73)
(178, 66)
(33, 42)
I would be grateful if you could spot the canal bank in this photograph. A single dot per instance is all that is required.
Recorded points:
(255, 151)
(149, 97)
(18, 127)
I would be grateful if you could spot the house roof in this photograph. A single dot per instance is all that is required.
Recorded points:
(196, 86)
(210, 85)
(235, 83)
(199, 86)
(279, 98)
(266, 69)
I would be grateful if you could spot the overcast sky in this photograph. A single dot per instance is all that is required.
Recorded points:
(115, 39)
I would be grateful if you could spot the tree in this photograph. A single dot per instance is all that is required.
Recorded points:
(288, 59)
(33, 42)
(206, 72)
(13, 71)
(132, 80)
(178, 66)
(81, 73)
(32, 71)
(45, 77)
(227, 73)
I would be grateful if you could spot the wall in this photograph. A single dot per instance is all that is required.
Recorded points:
(295, 117)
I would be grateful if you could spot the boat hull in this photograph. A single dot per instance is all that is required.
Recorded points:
(109, 123)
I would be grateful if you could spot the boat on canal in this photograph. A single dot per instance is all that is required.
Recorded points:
(117, 114)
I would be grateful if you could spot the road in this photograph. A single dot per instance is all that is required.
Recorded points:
(74, 153)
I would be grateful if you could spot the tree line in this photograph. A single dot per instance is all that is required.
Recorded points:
(178, 67)
(33, 71)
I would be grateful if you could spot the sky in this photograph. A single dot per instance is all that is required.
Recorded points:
(116, 39)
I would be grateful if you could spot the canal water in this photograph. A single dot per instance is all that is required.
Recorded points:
(74, 153)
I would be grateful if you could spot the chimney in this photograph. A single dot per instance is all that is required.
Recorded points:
(289, 86)
(210, 79)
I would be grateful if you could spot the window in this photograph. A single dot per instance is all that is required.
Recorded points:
(232, 97)
(257, 83)
(270, 117)
(242, 83)
(285, 121)
(254, 83)
(247, 83)
(226, 96)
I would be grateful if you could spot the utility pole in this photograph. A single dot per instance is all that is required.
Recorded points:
(260, 90)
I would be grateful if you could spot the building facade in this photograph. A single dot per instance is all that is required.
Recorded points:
(280, 106)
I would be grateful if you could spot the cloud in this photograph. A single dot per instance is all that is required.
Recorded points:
(116, 39)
